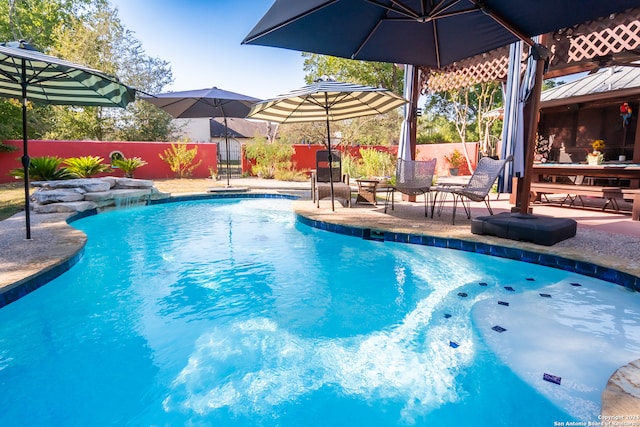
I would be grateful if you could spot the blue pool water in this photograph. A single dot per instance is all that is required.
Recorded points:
(231, 313)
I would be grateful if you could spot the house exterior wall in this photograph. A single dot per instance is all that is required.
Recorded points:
(194, 130)
(576, 126)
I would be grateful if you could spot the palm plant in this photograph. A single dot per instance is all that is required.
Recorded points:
(45, 168)
(128, 165)
(86, 167)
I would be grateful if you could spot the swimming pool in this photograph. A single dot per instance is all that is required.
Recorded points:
(233, 313)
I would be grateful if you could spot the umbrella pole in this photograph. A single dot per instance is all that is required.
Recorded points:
(226, 143)
(330, 156)
(25, 153)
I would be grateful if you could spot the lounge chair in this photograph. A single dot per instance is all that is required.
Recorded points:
(477, 189)
(321, 179)
(413, 177)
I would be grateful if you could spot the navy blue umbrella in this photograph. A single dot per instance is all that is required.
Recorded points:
(201, 103)
(419, 32)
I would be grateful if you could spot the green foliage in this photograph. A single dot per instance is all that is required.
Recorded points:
(368, 73)
(86, 167)
(290, 175)
(143, 121)
(303, 133)
(88, 32)
(372, 163)
(455, 159)
(180, 159)
(270, 157)
(434, 129)
(46, 168)
(128, 165)
(35, 21)
(377, 163)
(5, 148)
(465, 109)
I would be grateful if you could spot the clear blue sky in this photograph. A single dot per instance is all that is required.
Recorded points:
(201, 40)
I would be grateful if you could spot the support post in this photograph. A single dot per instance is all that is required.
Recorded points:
(541, 54)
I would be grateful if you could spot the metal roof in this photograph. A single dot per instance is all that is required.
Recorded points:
(607, 83)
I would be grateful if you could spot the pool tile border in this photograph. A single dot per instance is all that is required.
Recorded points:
(548, 260)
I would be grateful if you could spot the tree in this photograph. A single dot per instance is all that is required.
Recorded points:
(369, 130)
(376, 74)
(88, 32)
(466, 109)
(33, 21)
(99, 40)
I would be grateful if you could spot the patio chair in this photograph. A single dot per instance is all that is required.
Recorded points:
(321, 181)
(477, 189)
(413, 177)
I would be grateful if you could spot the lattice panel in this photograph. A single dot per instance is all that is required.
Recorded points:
(487, 67)
(597, 38)
(569, 47)
(613, 40)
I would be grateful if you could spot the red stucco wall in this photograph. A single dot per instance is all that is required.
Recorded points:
(147, 151)
(304, 157)
(440, 151)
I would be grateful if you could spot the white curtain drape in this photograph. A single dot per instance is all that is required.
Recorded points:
(404, 144)
(516, 92)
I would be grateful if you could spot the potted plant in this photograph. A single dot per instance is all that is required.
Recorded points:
(128, 165)
(595, 157)
(455, 160)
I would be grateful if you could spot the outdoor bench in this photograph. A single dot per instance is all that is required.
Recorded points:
(633, 194)
(575, 192)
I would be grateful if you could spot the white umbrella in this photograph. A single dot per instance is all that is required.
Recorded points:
(404, 145)
(326, 100)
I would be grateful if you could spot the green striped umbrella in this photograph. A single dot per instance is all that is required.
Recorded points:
(27, 74)
(326, 100)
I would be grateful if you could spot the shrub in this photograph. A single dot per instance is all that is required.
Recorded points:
(373, 163)
(181, 160)
(128, 165)
(377, 163)
(269, 157)
(455, 159)
(5, 148)
(86, 167)
(45, 168)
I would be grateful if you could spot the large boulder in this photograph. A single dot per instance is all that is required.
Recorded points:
(71, 207)
(89, 185)
(45, 197)
(133, 183)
